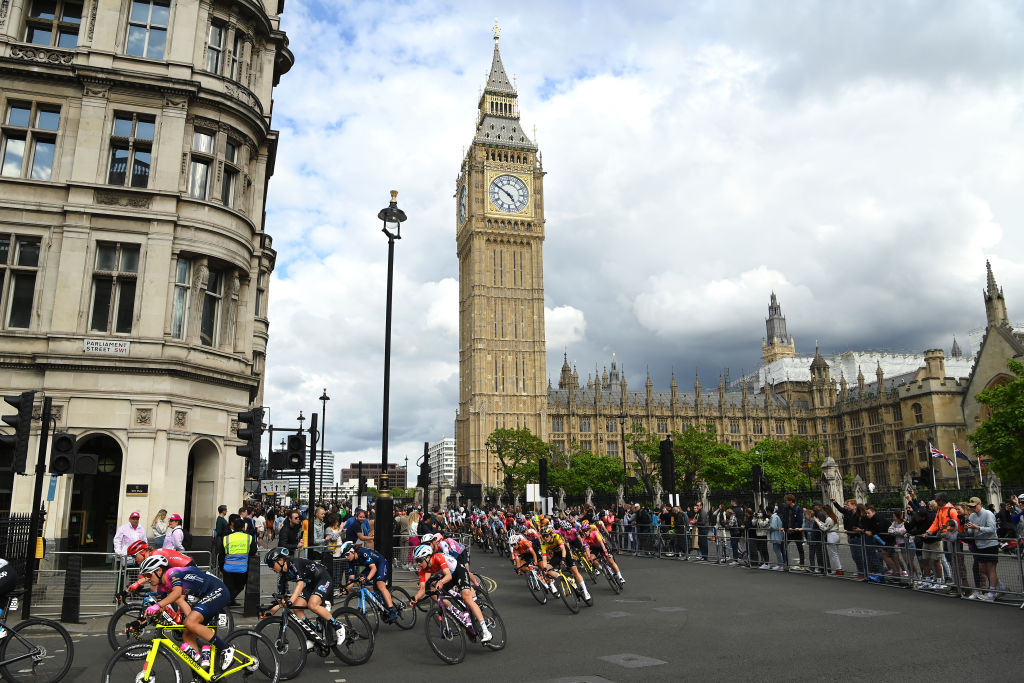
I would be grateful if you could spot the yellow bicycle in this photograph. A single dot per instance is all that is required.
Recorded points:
(254, 659)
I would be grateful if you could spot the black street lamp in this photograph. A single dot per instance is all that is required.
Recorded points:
(384, 541)
(324, 398)
(622, 437)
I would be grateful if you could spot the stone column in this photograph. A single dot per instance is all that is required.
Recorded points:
(658, 490)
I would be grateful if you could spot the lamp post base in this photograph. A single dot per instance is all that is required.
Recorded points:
(384, 529)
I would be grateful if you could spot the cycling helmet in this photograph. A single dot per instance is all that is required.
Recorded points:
(152, 563)
(516, 539)
(346, 548)
(547, 532)
(427, 539)
(277, 554)
(566, 525)
(423, 552)
(136, 547)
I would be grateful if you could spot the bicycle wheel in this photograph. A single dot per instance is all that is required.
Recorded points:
(568, 594)
(446, 636)
(594, 570)
(406, 613)
(364, 607)
(128, 662)
(120, 619)
(496, 626)
(41, 648)
(613, 580)
(224, 622)
(266, 668)
(580, 594)
(481, 592)
(289, 642)
(537, 590)
(358, 643)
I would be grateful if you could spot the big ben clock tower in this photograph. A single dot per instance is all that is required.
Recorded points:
(499, 213)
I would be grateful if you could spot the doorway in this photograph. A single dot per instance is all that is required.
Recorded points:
(93, 519)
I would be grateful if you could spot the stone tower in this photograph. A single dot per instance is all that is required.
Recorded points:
(776, 344)
(995, 305)
(499, 212)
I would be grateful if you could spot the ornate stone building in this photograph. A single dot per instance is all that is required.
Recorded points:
(136, 150)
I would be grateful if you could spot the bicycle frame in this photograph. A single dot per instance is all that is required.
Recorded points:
(367, 594)
(247, 660)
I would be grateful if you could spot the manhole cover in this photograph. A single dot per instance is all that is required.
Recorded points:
(860, 612)
(629, 661)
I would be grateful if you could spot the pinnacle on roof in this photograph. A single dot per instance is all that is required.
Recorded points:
(993, 288)
(818, 363)
(955, 352)
(498, 81)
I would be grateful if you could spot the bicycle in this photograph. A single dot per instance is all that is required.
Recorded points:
(569, 590)
(134, 613)
(586, 566)
(609, 573)
(33, 649)
(143, 662)
(293, 639)
(538, 589)
(370, 603)
(449, 624)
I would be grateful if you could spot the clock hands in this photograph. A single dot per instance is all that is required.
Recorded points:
(507, 194)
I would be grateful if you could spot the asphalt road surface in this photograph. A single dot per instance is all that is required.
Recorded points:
(686, 621)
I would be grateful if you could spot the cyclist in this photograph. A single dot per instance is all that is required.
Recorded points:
(523, 554)
(595, 542)
(555, 553)
(139, 551)
(438, 567)
(378, 570)
(180, 582)
(312, 586)
(453, 549)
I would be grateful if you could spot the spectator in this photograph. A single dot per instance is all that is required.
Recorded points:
(732, 528)
(175, 537)
(792, 522)
(414, 536)
(703, 524)
(852, 512)
(895, 540)
(815, 547)
(828, 524)
(236, 549)
(319, 540)
(334, 535)
(261, 526)
(250, 525)
(356, 526)
(291, 532)
(874, 527)
(777, 534)
(127, 534)
(221, 528)
(159, 527)
(981, 527)
(760, 523)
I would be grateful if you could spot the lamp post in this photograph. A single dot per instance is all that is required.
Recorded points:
(622, 437)
(384, 540)
(324, 398)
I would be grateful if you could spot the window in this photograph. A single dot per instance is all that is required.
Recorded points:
(824, 425)
(584, 424)
(736, 445)
(780, 427)
(19, 263)
(801, 426)
(918, 413)
(663, 426)
(877, 443)
(113, 288)
(854, 420)
(131, 150)
(758, 426)
(842, 447)
(901, 444)
(237, 55)
(261, 290)
(897, 413)
(611, 426)
(215, 48)
(858, 446)
(840, 424)
(211, 309)
(179, 307)
(874, 417)
(559, 446)
(879, 472)
(922, 451)
(147, 28)
(29, 140)
(861, 471)
(54, 22)
(612, 449)
(202, 162)
(586, 445)
(734, 427)
(231, 173)
(557, 424)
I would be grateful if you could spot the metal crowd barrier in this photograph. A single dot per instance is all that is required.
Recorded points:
(946, 567)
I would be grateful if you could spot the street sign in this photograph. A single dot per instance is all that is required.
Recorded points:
(532, 493)
(274, 486)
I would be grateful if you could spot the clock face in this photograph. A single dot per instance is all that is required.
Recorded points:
(462, 205)
(509, 193)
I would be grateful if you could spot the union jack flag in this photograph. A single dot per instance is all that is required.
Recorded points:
(936, 453)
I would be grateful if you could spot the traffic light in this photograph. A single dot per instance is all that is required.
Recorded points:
(668, 465)
(22, 423)
(279, 460)
(296, 453)
(250, 433)
(63, 453)
(758, 480)
(424, 478)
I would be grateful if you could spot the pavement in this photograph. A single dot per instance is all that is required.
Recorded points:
(688, 621)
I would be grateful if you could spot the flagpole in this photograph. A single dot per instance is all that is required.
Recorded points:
(931, 451)
(956, 469)
(981, 479)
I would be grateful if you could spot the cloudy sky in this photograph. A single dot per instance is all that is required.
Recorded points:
(861, 159)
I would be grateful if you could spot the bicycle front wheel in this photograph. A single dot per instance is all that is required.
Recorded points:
(364, 607)
(406, 613)
(265, 669)
(537, 590)
(36, 650)
(119, 621)
(446, 636)
(568, 594)
(496, 626)
(613, 580)
(357, 643)
(128, 664)
(289, 643)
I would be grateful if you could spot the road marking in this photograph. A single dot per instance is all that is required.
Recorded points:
(631, 661)
(616, 615)
(859, 612)
(669, 609)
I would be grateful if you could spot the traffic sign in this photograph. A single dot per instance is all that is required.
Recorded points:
(274, 486)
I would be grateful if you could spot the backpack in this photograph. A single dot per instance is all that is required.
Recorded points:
(186, 539)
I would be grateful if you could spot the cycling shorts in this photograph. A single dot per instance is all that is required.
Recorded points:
(212, 604)
(460, 580)
(558, 558)
(321, 587)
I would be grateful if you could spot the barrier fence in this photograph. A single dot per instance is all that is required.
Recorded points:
(948, 567)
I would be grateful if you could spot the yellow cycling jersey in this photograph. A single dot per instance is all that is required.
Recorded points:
(555, 545)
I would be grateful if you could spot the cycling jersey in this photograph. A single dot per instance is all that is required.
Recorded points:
(556, 544)
(212, 593)
(174, 558)
(366, 557)
(438, 562)
(313, 575)
(594, 539)
(523, 547)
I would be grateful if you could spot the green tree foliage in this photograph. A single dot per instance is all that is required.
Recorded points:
(518, 452)
(644, 447)
(1000, 438)
(699, 453)
(582, 469)
(790, 464)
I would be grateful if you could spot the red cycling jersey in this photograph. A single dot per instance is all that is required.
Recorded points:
(438, 563)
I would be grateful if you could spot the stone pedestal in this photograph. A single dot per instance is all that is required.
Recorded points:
(994, 489)
(831, 482)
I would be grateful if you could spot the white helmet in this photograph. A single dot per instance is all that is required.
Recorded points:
(423, 552)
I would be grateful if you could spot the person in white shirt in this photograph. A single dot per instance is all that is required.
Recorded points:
(128, 534)
(175, 537)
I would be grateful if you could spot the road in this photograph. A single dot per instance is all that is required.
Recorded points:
(688, 621)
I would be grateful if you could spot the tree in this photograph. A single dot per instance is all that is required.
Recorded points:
(699, 453)
(789, 463)
(582, 469)
(518, 451)
(645, 454)
(1000, 438)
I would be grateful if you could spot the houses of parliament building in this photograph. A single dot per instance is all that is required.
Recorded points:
(876, 413)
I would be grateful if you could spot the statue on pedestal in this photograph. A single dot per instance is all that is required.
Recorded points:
(590, 496)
